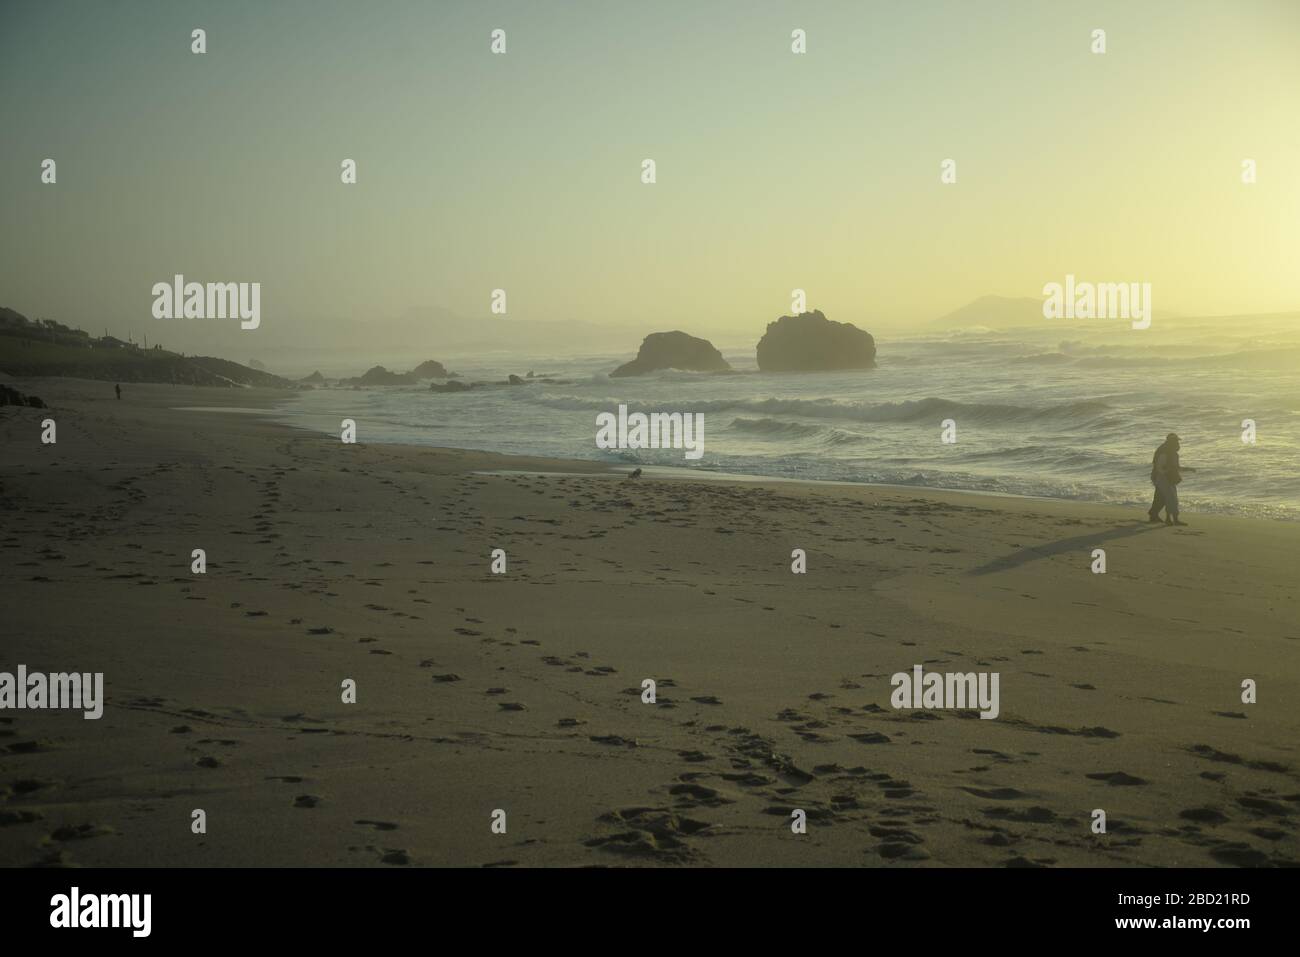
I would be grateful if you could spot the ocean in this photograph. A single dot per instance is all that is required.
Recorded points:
(1059, 411)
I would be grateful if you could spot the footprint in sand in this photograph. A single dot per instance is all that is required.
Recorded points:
(871, 737)
(32, 785)
(996, 794)
(1239, 854)
(614, 740)
(1268, 833)
(1117, 778)
(899, 843)
(80, 832)
(1029, 815)
(11, 818)
(1213, 754)
(654, 833)
(1204, 815)
(696, 795)
(1264, 806)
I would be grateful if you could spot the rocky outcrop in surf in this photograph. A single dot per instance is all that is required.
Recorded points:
(810, 342)
(674, 350)
(432, 369)
(378, 375)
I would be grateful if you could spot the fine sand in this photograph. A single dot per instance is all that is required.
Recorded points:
(522, 691)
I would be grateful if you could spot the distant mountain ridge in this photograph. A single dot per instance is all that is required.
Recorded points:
(1004, 312)
(995, 312)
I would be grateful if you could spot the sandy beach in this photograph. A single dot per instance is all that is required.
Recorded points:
(522, 691)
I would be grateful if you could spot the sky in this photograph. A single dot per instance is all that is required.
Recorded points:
(522, 171)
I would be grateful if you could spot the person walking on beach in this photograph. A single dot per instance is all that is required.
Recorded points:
(1166, 473)
(119, 392)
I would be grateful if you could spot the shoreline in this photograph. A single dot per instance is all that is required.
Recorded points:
(1285, 513)
(270, 402)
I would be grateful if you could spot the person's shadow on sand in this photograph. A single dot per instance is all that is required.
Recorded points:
(1032, 553)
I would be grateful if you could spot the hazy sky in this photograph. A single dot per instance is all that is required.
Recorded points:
(522, 171)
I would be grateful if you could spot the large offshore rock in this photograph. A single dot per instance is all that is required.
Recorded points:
(674, 350)
(810, 342)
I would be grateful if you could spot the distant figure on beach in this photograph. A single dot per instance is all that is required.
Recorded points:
(1166, 473)
(119, 392)
(634, 474)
